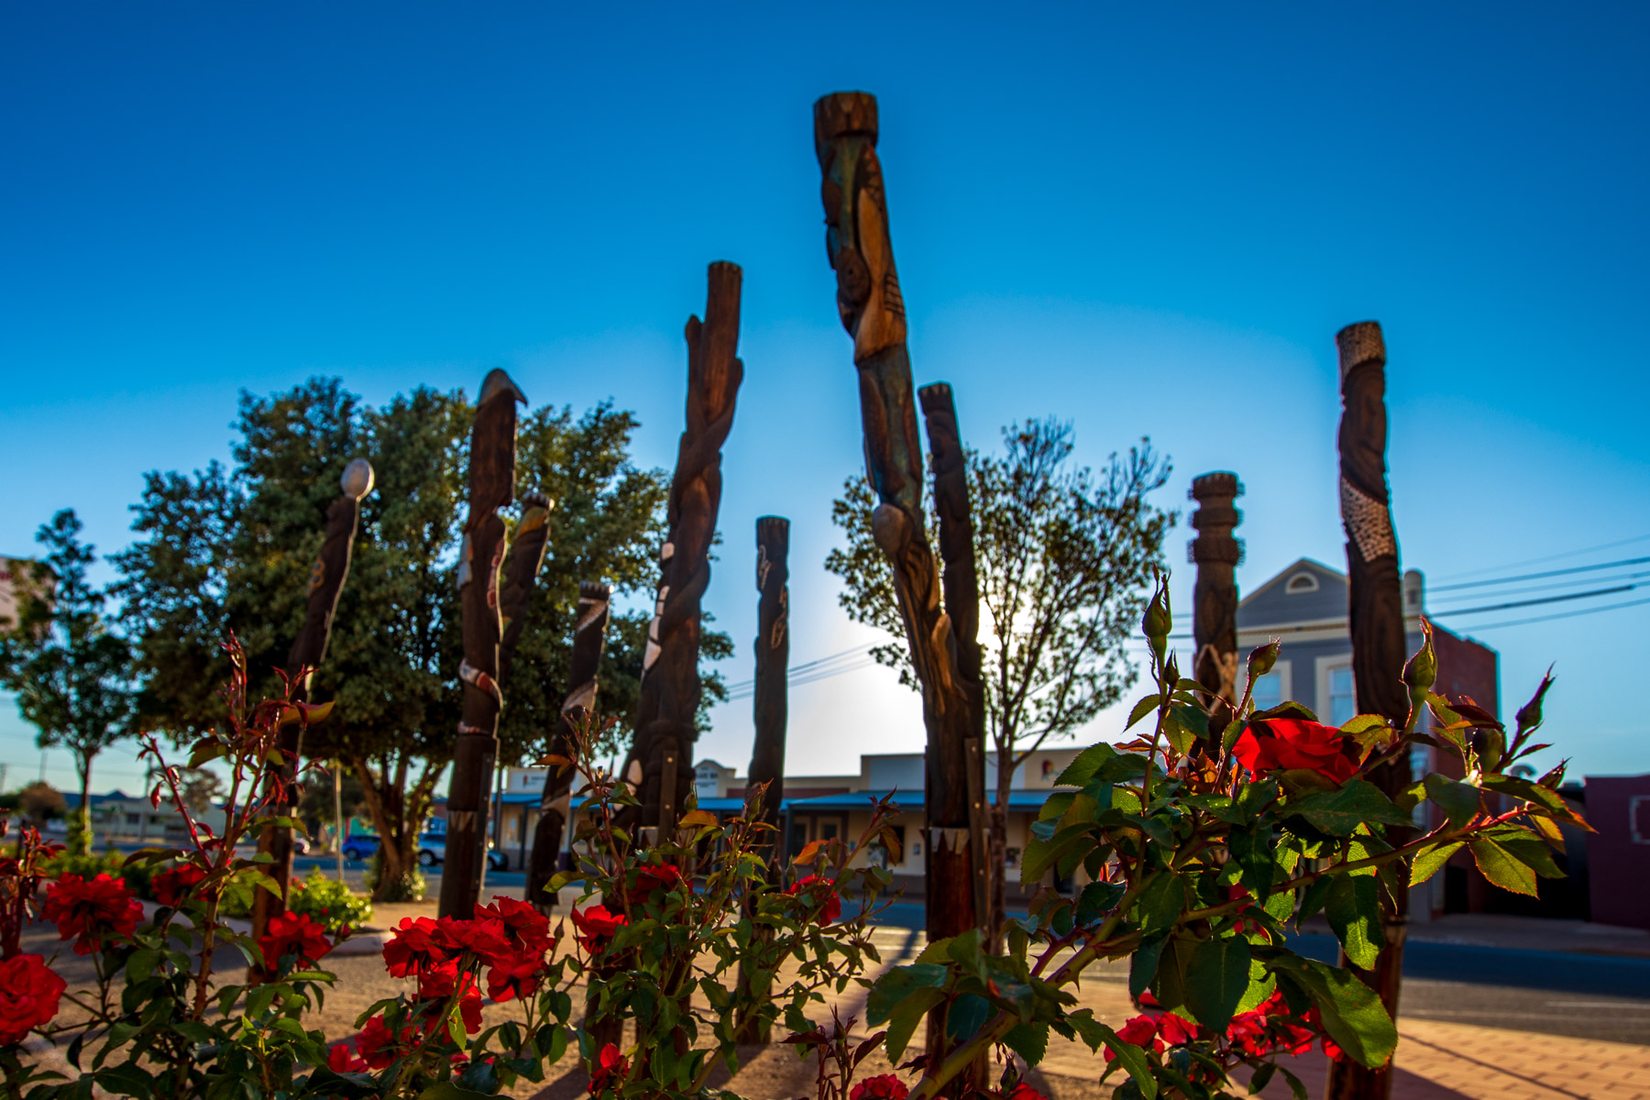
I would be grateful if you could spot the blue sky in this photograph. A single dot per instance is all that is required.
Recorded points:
(1152, 223)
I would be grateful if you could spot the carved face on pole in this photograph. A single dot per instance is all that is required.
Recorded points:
(856, 221)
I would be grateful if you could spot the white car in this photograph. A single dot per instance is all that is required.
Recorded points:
(432, 849)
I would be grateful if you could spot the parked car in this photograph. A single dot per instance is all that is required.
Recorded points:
(360, 846)
(432, 849)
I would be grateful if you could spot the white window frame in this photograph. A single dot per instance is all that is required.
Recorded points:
(1289, 588)
(1324, 666)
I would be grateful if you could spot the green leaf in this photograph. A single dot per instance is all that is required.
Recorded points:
(1431, 859)
(1029, 1041)
(1354, 911)
(1216, 980)
(1174, 973)
(903, 982)
(1143, 708)
(1339, 812)
(1143, 964)
(1161, 902)
(1351, 1013)
(902, 1023)
(967, 1014)
(1098, 899)
(1503, 868)
(1459, 801)
(1252, 850)
(1185, 727)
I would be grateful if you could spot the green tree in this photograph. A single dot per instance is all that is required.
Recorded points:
(38, 802)
(1065, 557)
(395, 649)
(71, 672)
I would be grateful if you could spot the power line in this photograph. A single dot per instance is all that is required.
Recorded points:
(1572, 582)
(1561, 615)
(1548, 557)
(1544, 599)
(1539, 576)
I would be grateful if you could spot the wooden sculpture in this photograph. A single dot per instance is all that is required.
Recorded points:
(1217, 554)
(1377, 623)
(658, 766)
(555, 805)
(326, 583)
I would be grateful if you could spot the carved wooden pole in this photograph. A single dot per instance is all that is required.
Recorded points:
(492, 486)
(555, 807)
(773, 651)
(1377, 622)
(658, 765)
(1217, 554)
(326, 583)
(868, 299)
(961, 585)
(521, 572)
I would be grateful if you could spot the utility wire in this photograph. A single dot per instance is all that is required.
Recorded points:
(1547, 558)
(1561, 615)
(1539, 576)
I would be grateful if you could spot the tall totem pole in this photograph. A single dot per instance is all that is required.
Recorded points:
(480, 580)
(960, 584)
(872, 310)
(555, 807)
(326, 583)
(1377, 622)
(658, 766)
(769, 705)
(1217, 554)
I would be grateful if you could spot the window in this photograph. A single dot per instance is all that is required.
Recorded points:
(1301, 582)
(1268, 691)
(1340, 702)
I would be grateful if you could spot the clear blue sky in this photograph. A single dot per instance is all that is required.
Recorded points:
(1150, 223)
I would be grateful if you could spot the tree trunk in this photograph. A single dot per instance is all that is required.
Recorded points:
(83, 841)
(1377, 623)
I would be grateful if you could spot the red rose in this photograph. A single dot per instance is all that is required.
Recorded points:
(651, 877)
(596, 927)
(518, 978)
(172, 885)
(1141, 1032)
(94, 911)
(294, 934)
(609, 1071)
(1175, 1030)
(883, 1087)
(414, 947)
(376, 1044)
(527, 929)
(29, 991)
(1023, 1091)
(343, 1059)
(821, 894)
(441, 982)
(480, 936)
(1278, 744)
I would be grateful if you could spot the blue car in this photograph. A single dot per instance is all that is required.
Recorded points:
(360, 846)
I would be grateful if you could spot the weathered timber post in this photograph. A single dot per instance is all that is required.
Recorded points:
(1217, 554)
(769, 704)
(1377, 622)
(555, 806)
(492, 486)
(326, 583)
(960, 584)
(658, 766)
(868, 299)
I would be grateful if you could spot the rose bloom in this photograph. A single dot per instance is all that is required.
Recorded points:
(519, 978)
(651, 877)
(414, 947)
(29, 991)
(1141, 1032)
(596, 927)
(1175, 1030)
(1023, 1091)
(481, 936)
(293, 934)
(1279, 744)
(821, 891)
(526, 929)
(172, 885)
(343, 1059)
(92, 910)
(438, 984)
(376, 1044)
(882, 1087)
(609, 1071)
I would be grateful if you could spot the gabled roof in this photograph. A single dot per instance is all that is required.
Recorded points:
(1310, 565)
